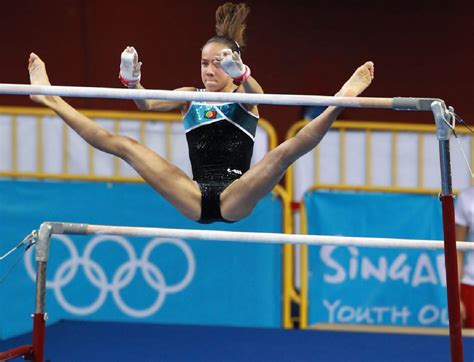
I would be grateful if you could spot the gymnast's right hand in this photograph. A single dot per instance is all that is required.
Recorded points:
(130, 74)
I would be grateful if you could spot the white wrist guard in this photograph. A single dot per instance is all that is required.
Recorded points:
(232, 64)
(130, 74)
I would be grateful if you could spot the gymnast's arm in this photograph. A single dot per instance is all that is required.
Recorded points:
(130, 76)
(233, 65)
(250, 86)
(162, 105)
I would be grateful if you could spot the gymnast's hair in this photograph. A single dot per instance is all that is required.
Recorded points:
(230, 25)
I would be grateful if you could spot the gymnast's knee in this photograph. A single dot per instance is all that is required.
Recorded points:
(124, 145)
(236, 213)
(236, 207)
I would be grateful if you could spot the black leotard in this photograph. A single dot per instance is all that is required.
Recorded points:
(220, 141)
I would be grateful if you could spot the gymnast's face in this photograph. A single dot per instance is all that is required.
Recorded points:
(213, 76)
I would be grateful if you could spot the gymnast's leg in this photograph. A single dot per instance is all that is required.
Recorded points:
(239, 199)
(170, 181)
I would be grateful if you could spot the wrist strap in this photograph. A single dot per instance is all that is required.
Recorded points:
(243, 77)
(128, 83)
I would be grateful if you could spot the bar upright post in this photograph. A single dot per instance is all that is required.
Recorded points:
(443, 132)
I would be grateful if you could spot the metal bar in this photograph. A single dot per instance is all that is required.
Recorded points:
(400, 103)
(40, 287)
(445, 165)
(269, 238)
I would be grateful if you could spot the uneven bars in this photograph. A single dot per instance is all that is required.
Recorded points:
(268, 238)
(397, 103)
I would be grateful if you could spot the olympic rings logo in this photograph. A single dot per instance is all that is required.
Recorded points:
(122, 277)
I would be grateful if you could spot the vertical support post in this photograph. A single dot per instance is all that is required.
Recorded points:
(39, 317)
(287, 284)
(450, 253)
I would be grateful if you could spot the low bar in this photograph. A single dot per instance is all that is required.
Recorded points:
(269, 238)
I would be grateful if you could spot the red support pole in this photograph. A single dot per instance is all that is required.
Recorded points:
(38, 337)
(452, 278)
(21, 351)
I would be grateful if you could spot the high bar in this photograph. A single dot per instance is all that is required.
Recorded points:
(396, 103)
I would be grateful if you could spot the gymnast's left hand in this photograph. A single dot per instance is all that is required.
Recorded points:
(232, 63)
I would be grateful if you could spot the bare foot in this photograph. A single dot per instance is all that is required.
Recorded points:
(359, 81)
(38, 76)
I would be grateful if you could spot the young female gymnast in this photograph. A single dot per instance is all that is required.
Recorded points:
(220, 136)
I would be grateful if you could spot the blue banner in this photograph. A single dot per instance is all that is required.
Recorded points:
(115, 278)
(379, 286)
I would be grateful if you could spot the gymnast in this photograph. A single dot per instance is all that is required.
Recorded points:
(220, 136)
